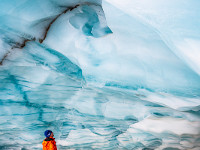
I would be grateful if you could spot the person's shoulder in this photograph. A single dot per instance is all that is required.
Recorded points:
(44, 143)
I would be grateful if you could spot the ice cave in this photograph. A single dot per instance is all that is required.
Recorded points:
(101, 74)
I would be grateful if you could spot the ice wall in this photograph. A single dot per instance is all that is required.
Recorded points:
(100, 74)
(136, 55)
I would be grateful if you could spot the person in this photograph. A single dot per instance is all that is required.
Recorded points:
(49, 142)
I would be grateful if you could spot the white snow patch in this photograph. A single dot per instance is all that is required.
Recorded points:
(167, 124)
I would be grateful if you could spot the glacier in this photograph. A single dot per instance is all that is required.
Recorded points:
(107, 74)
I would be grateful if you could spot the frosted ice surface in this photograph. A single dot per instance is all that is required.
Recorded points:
(165, 124)
(101, 74)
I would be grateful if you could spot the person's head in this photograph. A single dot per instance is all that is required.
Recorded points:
(48, 133)
(52, 134)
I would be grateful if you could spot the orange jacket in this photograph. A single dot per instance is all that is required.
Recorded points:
(49, 144)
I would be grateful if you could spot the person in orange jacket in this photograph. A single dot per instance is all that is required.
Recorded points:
(49, 142)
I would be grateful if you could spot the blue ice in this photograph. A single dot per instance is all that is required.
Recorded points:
(100, 74)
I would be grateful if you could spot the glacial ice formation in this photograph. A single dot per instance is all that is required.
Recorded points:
(108, 74)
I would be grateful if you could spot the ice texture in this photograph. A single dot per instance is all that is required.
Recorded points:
(108, 74)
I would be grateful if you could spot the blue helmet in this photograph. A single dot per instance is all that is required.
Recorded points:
(47, 133)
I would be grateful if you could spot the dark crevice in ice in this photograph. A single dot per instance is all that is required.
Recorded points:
(23, 44)
(17, 45)
(4, 57)
(28, 38)
(49, 26)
